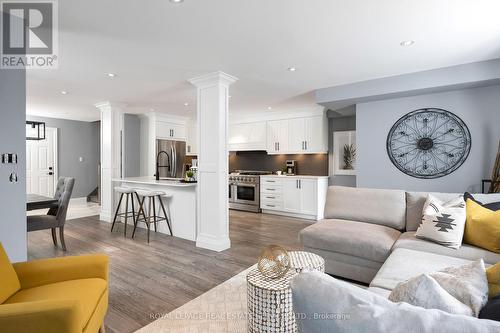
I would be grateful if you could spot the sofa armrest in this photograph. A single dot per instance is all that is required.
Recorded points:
(43, 316)
(44, 271)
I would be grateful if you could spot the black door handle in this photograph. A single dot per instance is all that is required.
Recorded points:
(51, 173)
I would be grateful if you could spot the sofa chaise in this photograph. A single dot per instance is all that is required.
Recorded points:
(368, 235)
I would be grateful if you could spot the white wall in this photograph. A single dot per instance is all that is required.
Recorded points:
(13, 140)
(479, 108)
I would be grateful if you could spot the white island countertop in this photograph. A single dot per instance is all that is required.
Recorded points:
(294, 176)
(153, 181)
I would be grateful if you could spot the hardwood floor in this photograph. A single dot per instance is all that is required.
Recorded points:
(155, 278)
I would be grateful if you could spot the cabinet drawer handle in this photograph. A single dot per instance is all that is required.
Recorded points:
(270, 189)
(270, 205)
(271, 197)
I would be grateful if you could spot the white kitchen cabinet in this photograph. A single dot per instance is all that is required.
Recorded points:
(192, 140)
(247, 136)
(296, 196)
(297, 135)
(170, 131)
(308, 196)
(277, 136)
(308, 135)
(291, 195)
(316, 134)
(305, 135)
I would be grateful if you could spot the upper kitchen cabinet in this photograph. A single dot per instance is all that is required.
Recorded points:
(305, 135)
(247, 136)
(316, 135)
(192, 140)
(170, 131)
(277, 136)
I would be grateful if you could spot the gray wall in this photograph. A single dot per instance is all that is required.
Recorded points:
(13, 140)
(334, 125)
(479, 108)
(131, 145)
(77, 139)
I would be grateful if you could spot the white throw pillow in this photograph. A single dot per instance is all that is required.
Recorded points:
(443, 222)
(424, 291)
(324, 304)
(458, 290)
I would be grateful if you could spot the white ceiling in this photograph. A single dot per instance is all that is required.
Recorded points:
(154, 46)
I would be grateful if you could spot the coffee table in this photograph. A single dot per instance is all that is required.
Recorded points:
(270, 300)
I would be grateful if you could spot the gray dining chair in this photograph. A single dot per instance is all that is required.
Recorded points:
(56, 216)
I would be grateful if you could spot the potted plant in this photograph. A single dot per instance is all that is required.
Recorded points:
(349, 156)
(190, 176)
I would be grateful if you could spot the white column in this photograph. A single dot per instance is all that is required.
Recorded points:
(212, 216)
(111, 131)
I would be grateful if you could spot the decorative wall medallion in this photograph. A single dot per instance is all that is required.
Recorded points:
(428, 143)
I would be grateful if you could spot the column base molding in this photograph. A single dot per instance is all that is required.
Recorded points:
(217, 244)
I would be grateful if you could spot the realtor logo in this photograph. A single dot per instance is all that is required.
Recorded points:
(29, 34)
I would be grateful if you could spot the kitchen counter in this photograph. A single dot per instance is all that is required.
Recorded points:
(153, 181)
(295, 176)
(180, 206)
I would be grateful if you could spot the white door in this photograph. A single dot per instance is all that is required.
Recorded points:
(291, 195)
(178, 131)
(308, 196)
(315, 140)
(296, 134)
(41, 164)
(273, 135)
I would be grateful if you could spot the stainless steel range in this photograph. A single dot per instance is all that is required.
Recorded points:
(244, 190)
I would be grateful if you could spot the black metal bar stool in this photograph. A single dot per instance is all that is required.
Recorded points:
(152, 216)
(128, 192)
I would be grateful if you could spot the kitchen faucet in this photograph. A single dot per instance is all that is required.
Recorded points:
(158, 166)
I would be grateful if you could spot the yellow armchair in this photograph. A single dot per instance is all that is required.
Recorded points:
(68, 294)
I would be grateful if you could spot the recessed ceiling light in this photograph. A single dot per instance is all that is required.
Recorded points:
(291, 69)
(269, 108)
(407, 43)
(111, 74)
(186, 104)
(176, 1)
(64, 92)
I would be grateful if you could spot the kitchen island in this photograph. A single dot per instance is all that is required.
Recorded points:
(181, 206)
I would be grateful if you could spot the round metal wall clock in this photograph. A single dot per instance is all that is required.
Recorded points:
(428, 143)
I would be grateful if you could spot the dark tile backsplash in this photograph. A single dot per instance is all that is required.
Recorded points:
(307, 164)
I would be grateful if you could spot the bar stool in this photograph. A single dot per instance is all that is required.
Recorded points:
(127, 192)
(152, 214)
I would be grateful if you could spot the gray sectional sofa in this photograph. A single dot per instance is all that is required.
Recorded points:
(368, 235)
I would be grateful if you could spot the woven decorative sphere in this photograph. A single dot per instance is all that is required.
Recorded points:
(274, 261)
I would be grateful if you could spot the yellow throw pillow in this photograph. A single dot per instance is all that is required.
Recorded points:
(9, 282)
(493, 274)
(482, 228)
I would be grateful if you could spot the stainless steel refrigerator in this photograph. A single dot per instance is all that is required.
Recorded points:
(171, 155)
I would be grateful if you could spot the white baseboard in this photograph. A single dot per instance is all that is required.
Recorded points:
(214, 244)
(312, 218)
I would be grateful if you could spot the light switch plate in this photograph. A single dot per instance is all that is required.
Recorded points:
(9, 158)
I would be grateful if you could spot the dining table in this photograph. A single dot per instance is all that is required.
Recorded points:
(36, 201)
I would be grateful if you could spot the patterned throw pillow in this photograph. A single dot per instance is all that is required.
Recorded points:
(443, 222)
